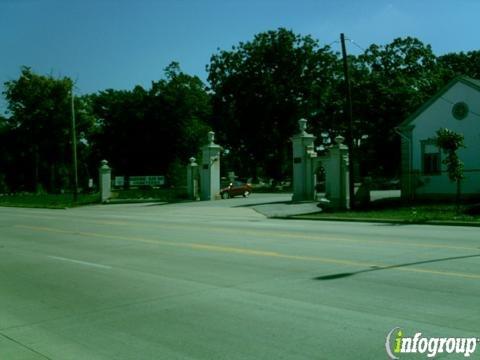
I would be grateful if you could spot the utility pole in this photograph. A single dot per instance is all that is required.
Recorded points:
(74, 150)
(349, 118)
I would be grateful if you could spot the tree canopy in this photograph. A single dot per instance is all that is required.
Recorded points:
(389, 83)
(140, 132)
(39, 128)
(455, 64)
(257, 92)
(260, 90)
(144, 132)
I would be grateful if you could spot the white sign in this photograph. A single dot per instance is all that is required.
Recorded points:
(146, 180)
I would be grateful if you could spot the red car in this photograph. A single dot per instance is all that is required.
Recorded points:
(236, 188)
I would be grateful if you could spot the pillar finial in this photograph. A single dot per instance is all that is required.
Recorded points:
(211, 137)
(302, 126)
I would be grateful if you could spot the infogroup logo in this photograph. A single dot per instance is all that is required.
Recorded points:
(397, 343)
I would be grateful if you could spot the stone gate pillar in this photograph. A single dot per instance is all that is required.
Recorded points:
(105, 181)
(192, 179)
(304, 164)
(336, 174)
(210, 171)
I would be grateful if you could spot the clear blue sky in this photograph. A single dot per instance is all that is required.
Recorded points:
(120, 43)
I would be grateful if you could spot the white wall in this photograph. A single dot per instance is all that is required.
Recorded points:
(439, 115)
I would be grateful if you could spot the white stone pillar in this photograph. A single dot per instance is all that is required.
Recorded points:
(210, 171)
(105, 180)
(192, 179)
(336, 174)
(304, 164)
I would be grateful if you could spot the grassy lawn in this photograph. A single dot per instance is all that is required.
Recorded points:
(61, 201)
(50, 201)
(394, 210)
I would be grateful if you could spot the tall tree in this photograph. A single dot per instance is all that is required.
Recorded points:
(40, 120)
(145, 132)
(261, 88)
(461, 63)
(182, 106)
(120, 117)
(393, 80)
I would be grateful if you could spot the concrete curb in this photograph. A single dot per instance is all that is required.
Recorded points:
(133, 201)
(385, 221)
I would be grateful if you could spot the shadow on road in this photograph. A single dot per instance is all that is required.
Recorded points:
(400, 223)
(378, 268)
(170, 202)
(265, 203)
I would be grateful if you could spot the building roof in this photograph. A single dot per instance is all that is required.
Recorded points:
(473, 83)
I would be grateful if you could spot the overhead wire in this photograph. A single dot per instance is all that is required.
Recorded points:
(453, 103)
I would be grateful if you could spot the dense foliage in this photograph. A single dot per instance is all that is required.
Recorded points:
(145, 132)
(257, 92)
(261, 89)
(36, 137)
(450, 141)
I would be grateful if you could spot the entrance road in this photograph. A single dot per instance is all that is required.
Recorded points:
(215, 280)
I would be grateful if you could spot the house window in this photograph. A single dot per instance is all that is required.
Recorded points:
(460, 110)
(431, 159)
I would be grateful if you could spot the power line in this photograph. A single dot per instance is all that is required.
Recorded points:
(351, 41)
(453, 103)
(357, 45)
(333, 42)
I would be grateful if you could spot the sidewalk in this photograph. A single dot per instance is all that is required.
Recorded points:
(287, 209)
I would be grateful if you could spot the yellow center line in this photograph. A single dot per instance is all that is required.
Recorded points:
(252, 252)
(291, 235)
(277, 234)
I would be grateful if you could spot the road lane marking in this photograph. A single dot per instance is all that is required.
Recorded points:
(291, 235)
(86, 263)
(216, 248)
(252, 252)
(444, 273)
(329, 238)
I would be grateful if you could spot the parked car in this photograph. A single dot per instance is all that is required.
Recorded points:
(236, 188)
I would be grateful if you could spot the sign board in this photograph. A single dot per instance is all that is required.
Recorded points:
(147, 180)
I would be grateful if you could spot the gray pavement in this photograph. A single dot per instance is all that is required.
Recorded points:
(280, 205)
(285, 209)
(219, 280)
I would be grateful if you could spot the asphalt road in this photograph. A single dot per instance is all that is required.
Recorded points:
(217, 280)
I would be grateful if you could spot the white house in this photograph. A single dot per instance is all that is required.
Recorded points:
(455, 107)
